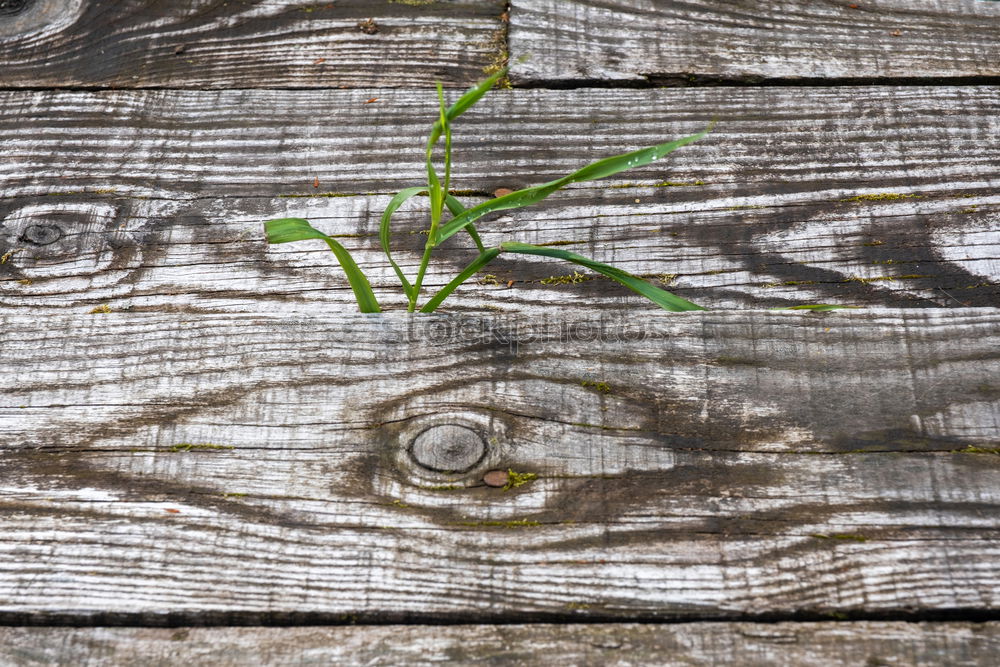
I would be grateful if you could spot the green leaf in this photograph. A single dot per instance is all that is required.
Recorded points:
(384, 232)
(479, 262)
(600, 169)
(818, 307)
(456, 208)
(662, 298)
(287, 230)
(465, 102)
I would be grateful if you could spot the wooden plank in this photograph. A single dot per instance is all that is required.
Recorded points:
(705, 41)
(162, 469)
(248, 43)
(793, 644)
(858, 196)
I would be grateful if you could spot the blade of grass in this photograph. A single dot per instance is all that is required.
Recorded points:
(662, 298)
(438, 192)
(286, 230)
(465, 102)
(456, 208)
(600, 169)
(384, 232)
(817, 307)
(479, 262)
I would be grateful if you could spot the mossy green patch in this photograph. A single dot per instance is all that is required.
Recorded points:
(516, 479)
(973, 449)
(602, 387)
(569, 279)
(321, 194)
(197, 446)
(847, 537)
(882, 196)
(516, 523)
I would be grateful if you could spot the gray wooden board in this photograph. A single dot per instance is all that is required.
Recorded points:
(614, 644)
(678, 43)
(166, 468)
(247, 43)
(155, 199)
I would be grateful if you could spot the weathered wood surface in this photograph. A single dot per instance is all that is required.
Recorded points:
(247, 43)
(160, 468)
(789, 644)
(679, 43)
(867, 196)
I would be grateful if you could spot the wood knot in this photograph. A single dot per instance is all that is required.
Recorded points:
(11, 7)
(448, 448)
(42, 234)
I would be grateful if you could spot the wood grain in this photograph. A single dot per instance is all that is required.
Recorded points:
(706, 466)
(704, 41)
(248, 43)
(738, 644)
(877, 197)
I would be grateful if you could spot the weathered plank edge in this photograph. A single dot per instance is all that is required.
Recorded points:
(828, 643)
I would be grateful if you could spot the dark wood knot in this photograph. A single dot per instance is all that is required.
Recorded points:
(42, 234)
(448, 448)
(11, 7)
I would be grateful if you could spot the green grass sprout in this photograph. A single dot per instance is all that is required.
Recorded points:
(287, 230)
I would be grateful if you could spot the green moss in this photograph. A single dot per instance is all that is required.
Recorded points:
(101, 310)
(444, 487)
(488, 279)
(516, 479)
(199, 446)
(320, 194)
(399, 503)
(516, 523)
(799, 282)
(972, 449)
(847, 537)
(467, 193)
(557, 243)
(882, 196)
(677, 184)
(571, 279)
(602, 387)
(741, 208)
(577, 605)
(667, 279)
(234, 495)
(735, 361)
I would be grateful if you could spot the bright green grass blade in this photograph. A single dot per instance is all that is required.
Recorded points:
(286, 230)
(662, 298)
(476, 264)
(385, 234)
(456, 208)
(470, 97)
(817, 307)
(385, 231)
(600, 169)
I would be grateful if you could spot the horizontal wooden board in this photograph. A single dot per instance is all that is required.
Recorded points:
(703, 41)
(248, 43)
(792, 644)
(875, 197)
(166, 468)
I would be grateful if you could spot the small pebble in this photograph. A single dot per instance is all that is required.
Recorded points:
(500, 192)
(496, 478)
